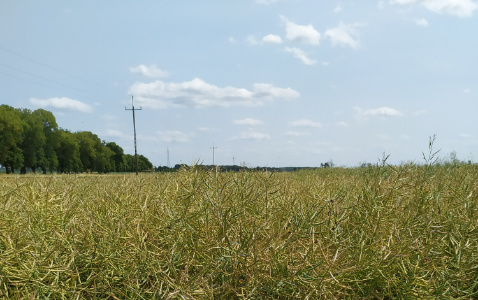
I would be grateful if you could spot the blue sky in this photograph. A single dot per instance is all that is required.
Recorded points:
(269, 82)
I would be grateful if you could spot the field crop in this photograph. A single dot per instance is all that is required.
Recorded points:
(380, 232)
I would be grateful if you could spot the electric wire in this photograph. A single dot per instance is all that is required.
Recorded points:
(41, 80)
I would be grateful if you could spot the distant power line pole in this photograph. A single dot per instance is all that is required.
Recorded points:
(134, 127)
(168, 158)
(213, 153)
(233, 160)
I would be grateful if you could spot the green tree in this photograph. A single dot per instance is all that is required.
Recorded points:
(117, 158)
(129, 163)
(144, 164)
(88, 143)
(11, 130)
(33, 140)
(68, 153)
(104, 162)
(50, 129)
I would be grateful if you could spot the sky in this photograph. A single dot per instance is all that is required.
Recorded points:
(253, 82)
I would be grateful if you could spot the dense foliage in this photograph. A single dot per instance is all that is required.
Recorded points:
(33, 140)
(377, 232)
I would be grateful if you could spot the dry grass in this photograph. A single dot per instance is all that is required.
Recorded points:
(381, 232)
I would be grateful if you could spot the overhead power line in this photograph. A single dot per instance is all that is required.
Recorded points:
(28, 76)
(51, 67)
(44, 79)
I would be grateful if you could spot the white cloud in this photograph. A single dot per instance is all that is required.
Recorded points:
(62, 103)
(198, 93)
(459, 8)
(378, 112)
(252, 135)
(342, 124)
(301, 33)
(404, 1)
(207, 129)
(297, 133)
(149, 71)
(305, 123)
(344, 35)
(115, 133)
(252, 40)
(338, 9)
(248, 121)
(174, 136)
(232, 40)
(299, 54)
(266, 2)
(422, 22)
(272, 38)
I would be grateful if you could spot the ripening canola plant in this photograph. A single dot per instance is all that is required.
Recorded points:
(377, 232)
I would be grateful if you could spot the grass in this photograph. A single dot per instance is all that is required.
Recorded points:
(381, 232)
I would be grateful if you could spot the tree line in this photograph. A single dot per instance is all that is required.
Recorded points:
(32, 140)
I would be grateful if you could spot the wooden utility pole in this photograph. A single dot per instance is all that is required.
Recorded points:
(134, 128)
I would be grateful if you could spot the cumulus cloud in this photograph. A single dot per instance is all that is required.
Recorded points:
(198, 93)
(421, 22)
(459, 8)
(342, 124)
(252, 40)
(404, 1)
(115, 133)
(272, 38)
(149, 71)
(344, 35)
(301, 55)
(248, 121)
(378, 112)
(207, 129)
(62, 104)
(174, 136)
(301, 33)
(266, 2)
(297, 133)
(252, 135)
(305, 123)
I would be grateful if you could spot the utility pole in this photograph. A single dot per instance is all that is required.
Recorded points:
(213, 153)
(134, 127)
(168, 158)
(233, 160)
